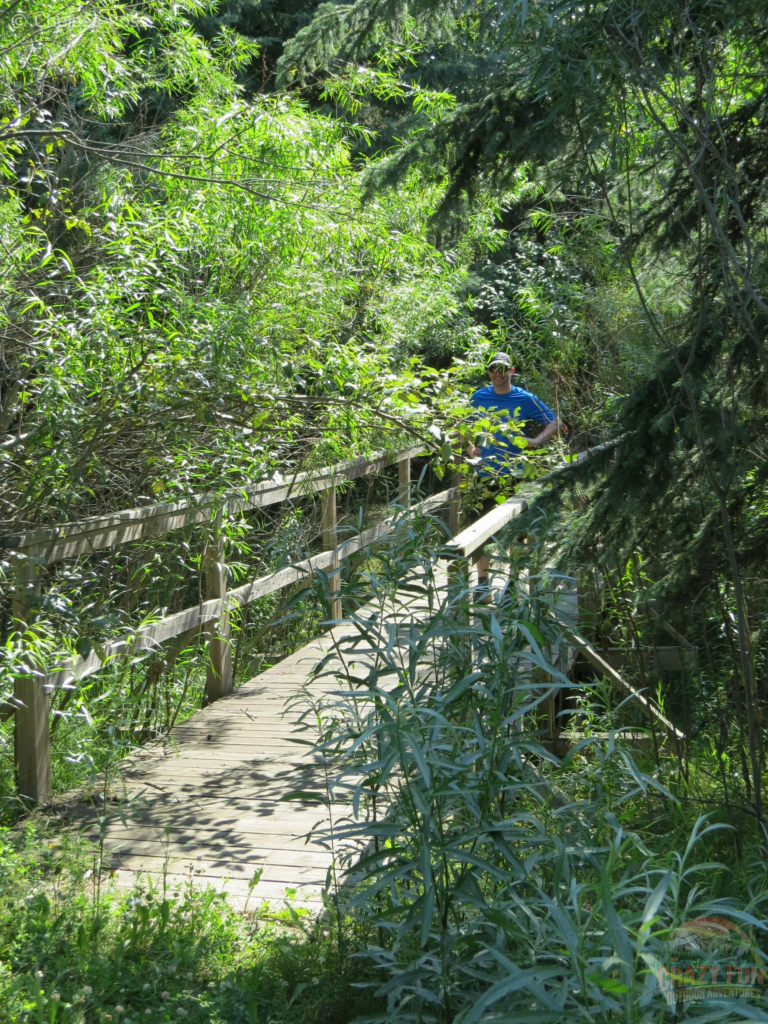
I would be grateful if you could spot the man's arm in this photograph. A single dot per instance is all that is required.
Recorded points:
(553, 427)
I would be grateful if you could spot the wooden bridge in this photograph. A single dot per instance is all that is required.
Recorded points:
(212, 800)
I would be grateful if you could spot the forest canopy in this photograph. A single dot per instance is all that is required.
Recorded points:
(177, 258)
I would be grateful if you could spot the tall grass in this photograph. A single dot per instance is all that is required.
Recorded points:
(74, 951)
(502, 884)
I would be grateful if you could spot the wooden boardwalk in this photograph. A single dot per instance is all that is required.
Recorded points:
(209, 804)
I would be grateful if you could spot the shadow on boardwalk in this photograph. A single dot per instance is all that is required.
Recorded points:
(209, 802)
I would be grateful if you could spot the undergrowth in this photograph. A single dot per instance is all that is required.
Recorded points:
(74, 950)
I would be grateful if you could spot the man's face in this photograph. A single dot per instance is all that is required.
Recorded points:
(500, 375)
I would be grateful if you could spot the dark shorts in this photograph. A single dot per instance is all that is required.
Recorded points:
(484, 495)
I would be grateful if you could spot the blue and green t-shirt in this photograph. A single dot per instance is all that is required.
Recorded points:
(518, 406)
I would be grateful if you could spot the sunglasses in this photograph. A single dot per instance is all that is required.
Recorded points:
(498, 368)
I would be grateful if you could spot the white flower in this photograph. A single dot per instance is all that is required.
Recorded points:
(165, 995)
(171, 968)
(119, 1009)
(148, 1012)
(55, 997)
(145, 987)
(180, 1011)
(38, 974)
(87, 990)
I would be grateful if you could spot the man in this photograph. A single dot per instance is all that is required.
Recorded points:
(499, 458)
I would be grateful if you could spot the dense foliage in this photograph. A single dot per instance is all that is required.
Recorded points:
(73, 949)
(644, 124)
(505, 884)
(158, 308)
(254, 238)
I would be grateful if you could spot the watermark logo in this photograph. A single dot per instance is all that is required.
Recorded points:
(711, 959)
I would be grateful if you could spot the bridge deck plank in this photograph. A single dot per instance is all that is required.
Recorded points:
(213, 810)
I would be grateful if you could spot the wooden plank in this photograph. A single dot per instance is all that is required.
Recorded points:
(578, 460)
(100, 532)
(404, 481)
(663, 659)
(454, 509)
(82, 538)
(32, 740)
(261, 829)
(219, 850)
(671, 631)
(270, 894)
(634, 739)
(285, 875)
(475, 536)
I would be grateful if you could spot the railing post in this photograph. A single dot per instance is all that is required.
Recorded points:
(219, 681)
(404, 481)
(454, 507)
(330, 541)
(32, 737)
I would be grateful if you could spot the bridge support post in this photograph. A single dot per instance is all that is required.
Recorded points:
(330, 541)
(590, 603)
(219, 679)
(404, 481)
(32, 735)
(454, 507)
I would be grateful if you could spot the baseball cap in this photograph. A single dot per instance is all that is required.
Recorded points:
(500, 357)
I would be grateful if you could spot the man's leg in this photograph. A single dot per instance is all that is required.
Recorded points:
(483, 561)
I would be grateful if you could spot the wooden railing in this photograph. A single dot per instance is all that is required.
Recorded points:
(211, 617)
(34, 549)
(471, 541)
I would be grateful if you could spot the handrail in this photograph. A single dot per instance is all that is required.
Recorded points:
(96, 533)
(610, 672)
(475, 536)
(50, 544)
(578, 459)
(199, 615)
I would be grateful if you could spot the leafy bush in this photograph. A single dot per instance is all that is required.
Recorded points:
(72, 949)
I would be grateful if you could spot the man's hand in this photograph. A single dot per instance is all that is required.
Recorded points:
(551, 428)
(473, 451)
